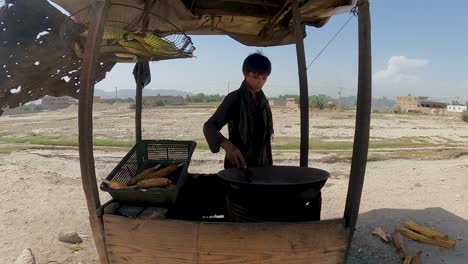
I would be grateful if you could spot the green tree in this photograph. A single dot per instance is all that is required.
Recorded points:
(204, 98)
(161, 102)
(464, 116)
(316, 101)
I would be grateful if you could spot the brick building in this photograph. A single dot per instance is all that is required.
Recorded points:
(420, 105)
(54, 103)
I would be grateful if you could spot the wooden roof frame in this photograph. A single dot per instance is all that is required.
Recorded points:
(362, 128)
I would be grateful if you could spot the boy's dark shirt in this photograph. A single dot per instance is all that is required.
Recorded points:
(228, 112)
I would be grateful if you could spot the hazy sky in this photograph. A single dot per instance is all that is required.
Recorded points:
(420, 47)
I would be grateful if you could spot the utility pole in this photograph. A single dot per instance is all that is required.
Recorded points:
(116, 105)
(340, 89)
(229, 82)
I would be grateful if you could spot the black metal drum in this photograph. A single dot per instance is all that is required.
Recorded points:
(276, 193)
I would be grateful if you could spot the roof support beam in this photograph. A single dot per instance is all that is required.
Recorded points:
(363, 114)
(252, 8)
(85, 122)
(275, 18)
(254, 2)
(303, 85)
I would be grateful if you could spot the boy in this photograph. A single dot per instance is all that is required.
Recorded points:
(249, 119)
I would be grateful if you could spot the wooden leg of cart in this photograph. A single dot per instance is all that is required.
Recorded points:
(363, 112)
(85, 123)
(303, 85)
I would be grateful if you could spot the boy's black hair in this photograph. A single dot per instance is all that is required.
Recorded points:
(257, 63)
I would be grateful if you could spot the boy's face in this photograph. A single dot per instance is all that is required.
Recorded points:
(255, 81)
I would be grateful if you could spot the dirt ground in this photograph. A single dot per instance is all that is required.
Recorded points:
(42, 192)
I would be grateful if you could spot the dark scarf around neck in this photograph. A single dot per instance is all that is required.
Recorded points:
(255, 126)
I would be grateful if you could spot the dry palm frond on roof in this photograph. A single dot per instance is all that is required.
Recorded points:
(119, 46)
(128, 38)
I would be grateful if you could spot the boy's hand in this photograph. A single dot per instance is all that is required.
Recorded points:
(233, 154)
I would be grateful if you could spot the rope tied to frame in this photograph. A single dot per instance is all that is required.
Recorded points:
(353, 12)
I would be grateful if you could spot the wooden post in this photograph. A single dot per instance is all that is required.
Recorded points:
(138, 103)
(303, 86)
(138, 112)
(363, 113)
(85, 122)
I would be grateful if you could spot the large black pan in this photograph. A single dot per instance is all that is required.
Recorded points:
(276, 193)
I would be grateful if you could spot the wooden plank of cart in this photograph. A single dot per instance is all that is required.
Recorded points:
(124, 240)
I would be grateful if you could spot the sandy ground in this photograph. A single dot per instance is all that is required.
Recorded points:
(42, 192)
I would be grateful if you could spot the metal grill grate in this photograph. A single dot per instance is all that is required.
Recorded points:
(128, 170)
(167, 152)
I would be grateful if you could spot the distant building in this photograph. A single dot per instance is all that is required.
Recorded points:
(420, 105)
(97, 100)
(407, 103)
(457, 108)
(163, 100)
(54, 103)
(277, 102)
(291, 102)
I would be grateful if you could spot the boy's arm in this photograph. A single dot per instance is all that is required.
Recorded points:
(213, 136)
(212, 127)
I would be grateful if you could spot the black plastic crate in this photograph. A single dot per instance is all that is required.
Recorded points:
(146, 154)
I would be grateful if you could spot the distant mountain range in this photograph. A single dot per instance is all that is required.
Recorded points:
(125, 93)
(349, 101)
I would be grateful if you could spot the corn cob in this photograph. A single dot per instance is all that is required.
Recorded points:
(162, 172)
(140, 176)
(115, 185)
(154, 182)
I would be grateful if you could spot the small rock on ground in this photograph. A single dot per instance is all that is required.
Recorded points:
(26, 257)
(69, 237)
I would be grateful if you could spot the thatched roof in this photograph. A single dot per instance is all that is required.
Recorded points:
(251, 22)
(38, 42)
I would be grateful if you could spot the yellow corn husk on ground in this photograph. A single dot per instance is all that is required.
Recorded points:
(446, 243)
(425, 231)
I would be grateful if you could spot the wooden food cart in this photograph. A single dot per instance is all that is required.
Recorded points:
(252, 22)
